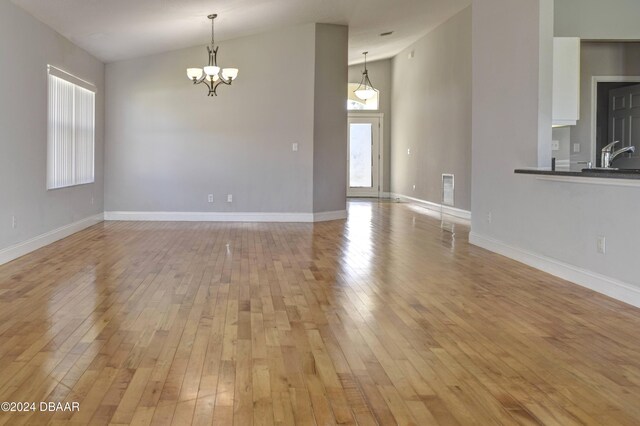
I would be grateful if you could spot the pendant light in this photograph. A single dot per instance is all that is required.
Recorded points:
(365, 90)
(212, 75)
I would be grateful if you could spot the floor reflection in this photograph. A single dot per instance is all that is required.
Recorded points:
(224, 323)
(358, 251)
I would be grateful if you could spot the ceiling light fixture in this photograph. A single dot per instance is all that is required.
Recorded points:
(212, 75)
(365, 90)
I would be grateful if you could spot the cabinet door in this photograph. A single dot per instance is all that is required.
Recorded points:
(566, 80)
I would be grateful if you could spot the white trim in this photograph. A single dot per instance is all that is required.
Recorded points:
(57, 72)
(608, 286)
(563, 123)
(223, 216)
(18, 250)
(440, 208)
(327, 216)
(594, 103)
(590, 180)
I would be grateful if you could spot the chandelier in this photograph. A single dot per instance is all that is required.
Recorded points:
(212, 75)
(365, 90)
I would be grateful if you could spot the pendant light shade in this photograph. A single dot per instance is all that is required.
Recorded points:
(194, 73)
(211, 70)
(365, 94)
(230, 73)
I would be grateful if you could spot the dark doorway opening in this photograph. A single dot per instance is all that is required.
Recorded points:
(618, 106)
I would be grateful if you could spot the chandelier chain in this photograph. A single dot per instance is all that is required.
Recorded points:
(212, 32)
(365, 89)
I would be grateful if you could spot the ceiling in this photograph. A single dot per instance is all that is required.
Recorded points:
(113, 30)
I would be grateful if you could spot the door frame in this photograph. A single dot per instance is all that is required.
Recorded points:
(594, 105)
(380, 117)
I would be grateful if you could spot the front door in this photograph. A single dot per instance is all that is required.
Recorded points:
(364, 157)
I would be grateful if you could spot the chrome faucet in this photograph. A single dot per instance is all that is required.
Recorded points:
(608, 154)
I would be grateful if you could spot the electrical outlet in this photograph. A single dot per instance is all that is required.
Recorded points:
(210, 199)
(229, 198)
(14, 222)
(555, 145)
(409, 151)
(294, 147)
(414, 187)
(489, 217)
(601, 245)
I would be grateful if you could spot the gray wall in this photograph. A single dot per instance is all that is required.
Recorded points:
(380, 75)
(600, 59)
(330, 118)
(598, 19)
(432, 113)
(557, 220)
(563, 154)
(26, 47)
(169, 145)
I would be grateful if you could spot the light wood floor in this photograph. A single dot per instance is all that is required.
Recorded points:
(383, 319)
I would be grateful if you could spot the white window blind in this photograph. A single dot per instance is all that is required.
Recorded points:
(71, 130)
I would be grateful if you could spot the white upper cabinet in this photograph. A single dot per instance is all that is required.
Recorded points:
(566, 81)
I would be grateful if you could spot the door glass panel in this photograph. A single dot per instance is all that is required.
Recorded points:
(360, 168)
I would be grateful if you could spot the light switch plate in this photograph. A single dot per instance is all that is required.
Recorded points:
(576, 148)
(294, 146)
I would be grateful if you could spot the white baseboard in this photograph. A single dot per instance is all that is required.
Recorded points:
(600, 283)
(18, 250)
(224, 216)
(452, 211)
(327, 216)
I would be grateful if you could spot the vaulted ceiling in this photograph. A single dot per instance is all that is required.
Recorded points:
(113, 30)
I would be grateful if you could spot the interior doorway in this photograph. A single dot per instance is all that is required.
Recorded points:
(364, 155)
(616, 117)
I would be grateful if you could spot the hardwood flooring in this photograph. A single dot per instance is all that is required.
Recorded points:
(382, 319)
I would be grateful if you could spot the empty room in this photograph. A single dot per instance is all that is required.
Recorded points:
(318, 212)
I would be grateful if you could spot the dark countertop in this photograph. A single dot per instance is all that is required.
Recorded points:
(587, 173)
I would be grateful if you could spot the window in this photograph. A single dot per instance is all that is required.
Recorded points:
(71, 130)
(356, 104)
